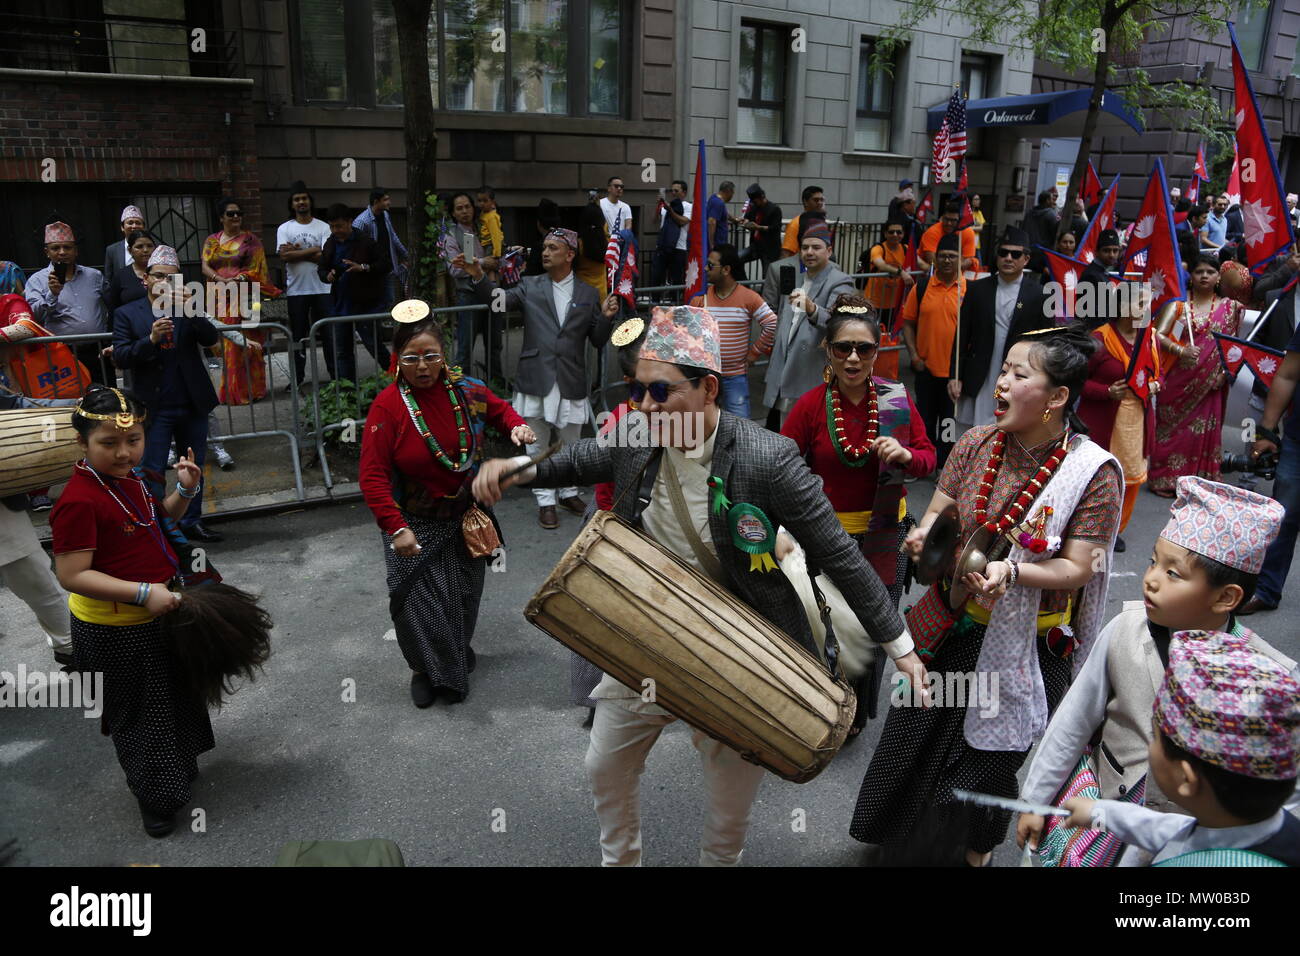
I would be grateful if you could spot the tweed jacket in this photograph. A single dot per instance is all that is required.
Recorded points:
(798, 363)
(764, 469)
(552, 352)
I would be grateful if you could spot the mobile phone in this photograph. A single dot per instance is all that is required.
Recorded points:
(787, 280)
(61, 271)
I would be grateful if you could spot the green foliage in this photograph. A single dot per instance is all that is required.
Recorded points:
(342, 401)
(1068, 33)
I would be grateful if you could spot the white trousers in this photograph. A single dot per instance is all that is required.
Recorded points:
(32, 580)
(568, 435)
(621, 738)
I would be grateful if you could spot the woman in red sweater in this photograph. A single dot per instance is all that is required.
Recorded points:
(862, 436)
(422, 441)
(1117, 419)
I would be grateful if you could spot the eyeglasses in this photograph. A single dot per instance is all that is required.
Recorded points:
(894, 232)
(617, 185)
(1005, 253)
(431, 358)
(659, 391)
(865, 350)
(232, 214)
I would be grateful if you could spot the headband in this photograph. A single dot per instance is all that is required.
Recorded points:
(124, 418)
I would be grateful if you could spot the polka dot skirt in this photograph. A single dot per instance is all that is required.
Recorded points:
(906, 797)
(441, 610)
(158, 727)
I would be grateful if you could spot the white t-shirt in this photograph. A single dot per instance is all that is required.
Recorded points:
(685, 234)
(301, 277)
(617, 215)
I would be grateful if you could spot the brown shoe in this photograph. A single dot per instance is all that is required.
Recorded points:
(546, 517)
(1253, 605)
(574, 504)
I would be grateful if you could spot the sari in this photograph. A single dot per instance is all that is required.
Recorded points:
(243, 378)
(1189, 409)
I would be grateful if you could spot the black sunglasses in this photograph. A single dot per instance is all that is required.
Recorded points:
(233, 214)
(1005, 253)
(864, 349)
(658, 390)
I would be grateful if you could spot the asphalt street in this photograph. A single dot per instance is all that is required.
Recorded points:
(497, 780)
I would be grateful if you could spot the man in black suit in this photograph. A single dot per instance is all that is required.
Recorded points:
(1041, 225)
(1095, 275)
(561, 315)
(116, 254)
(158, 338)
(995, 312)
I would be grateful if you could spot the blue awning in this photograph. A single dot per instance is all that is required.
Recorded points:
(1058, 114)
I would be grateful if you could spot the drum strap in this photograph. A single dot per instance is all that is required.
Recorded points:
(708, 560)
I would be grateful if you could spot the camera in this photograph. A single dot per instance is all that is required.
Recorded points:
(1265, 466)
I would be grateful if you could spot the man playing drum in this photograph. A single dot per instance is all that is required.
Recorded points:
(724, 485)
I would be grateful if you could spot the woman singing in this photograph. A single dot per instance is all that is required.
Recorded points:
(423, 437)
(1189, 415)
(1041, 501)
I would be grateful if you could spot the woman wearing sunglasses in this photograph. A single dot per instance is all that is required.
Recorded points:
(419, 452)
(855, 430)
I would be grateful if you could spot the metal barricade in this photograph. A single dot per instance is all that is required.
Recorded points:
(90, 351)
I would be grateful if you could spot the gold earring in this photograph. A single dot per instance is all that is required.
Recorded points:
(828, 374)
(1047, 415)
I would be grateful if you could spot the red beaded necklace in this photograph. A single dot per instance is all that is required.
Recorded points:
(855, 456)
(1016, 513)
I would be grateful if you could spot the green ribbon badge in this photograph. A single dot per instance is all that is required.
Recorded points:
(717, 496)
(752, 532)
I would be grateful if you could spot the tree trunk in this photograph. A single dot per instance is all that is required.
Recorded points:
(421, 137)
(1109, 19)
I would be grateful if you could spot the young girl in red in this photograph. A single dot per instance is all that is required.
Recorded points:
(112, 554)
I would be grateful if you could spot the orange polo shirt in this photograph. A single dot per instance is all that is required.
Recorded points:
(936, 326)
(930, 241)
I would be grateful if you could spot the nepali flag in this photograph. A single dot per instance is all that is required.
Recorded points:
(1091, 190)
(1153, 234)
(1200, 174)
(697, 242)
(923, 210)
(622, 282)
(950, 141)
(1144, 366)
(1065, 273)
(1103, 219)
(962, 183)
(1263, 200)
(1260, 359)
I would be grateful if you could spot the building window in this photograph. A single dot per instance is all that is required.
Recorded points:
(539, 53)
(760, 115)
(1251, 24)
(388, 64)
(875, 116)
(977, 83)
(603, 86)
(321, 37)
(141, 40)
(475, 71)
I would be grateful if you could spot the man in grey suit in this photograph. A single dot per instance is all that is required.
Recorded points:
(797, 358)
(561, 315)
(677, 382)
(116, 255)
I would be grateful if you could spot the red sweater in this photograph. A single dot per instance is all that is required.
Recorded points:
(391, 445)
(851, 489)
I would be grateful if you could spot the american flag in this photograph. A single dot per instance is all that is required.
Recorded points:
(950, 141)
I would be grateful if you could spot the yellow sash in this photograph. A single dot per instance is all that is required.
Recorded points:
(855, 522)
(1046, 619)
(94, 611)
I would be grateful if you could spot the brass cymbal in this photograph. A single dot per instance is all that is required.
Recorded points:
(936, 558)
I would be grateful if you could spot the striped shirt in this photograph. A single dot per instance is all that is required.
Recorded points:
(735, 315)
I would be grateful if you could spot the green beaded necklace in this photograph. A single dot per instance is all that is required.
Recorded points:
(462, 426)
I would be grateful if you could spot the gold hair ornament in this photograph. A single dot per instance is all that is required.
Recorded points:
(123, 419)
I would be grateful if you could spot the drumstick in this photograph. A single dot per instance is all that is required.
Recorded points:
(537, 459)
(1003, 803)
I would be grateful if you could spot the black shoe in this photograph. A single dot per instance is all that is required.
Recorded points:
(1120, 546)
(422, 691)
(1253, 606)
(591, 718)
(156, 824)
(197, 532)
(66, 662)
